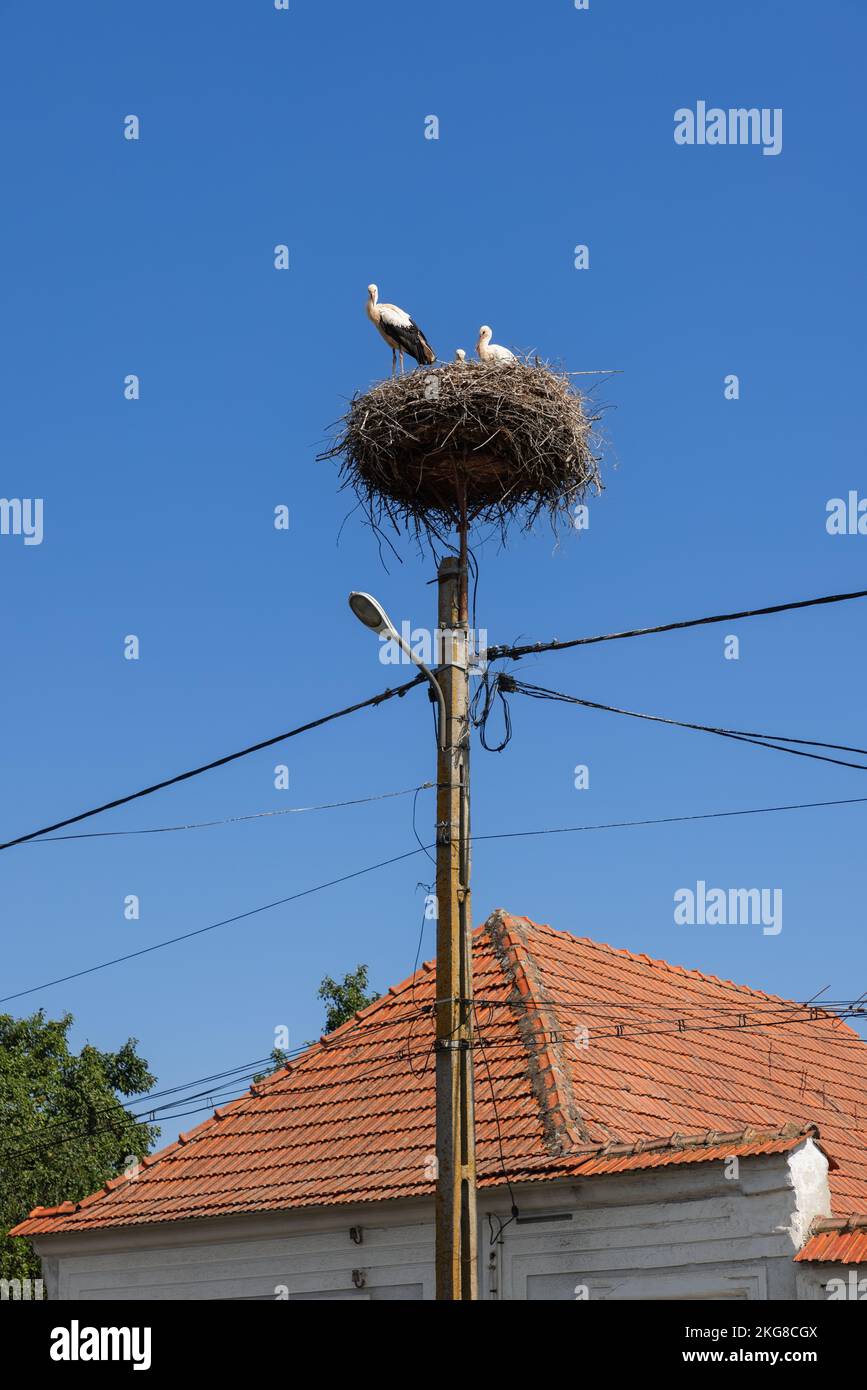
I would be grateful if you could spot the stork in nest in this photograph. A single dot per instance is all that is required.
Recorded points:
(491, 352)
(399, 331)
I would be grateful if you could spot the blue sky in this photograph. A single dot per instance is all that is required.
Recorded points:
(155, 257)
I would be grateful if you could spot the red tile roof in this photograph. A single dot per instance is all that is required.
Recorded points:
(678, 1067)
(837, 1239)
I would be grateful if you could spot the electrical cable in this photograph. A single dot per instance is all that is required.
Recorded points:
(212, 926)
(232, 820)
(428, 890)
(512, 652)
(421, 845)
(151, 1115)
(217, 762)
(620, 1030)
(667, 820)
(518, 1046)
(474, 839)
(537, 692)
(482, 1049)
(481, 706)
(516, 652)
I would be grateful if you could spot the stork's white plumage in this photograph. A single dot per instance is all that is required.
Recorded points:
(491, 352)
(398, 330)
(460, 355)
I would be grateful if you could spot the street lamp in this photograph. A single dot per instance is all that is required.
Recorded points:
(371, 613)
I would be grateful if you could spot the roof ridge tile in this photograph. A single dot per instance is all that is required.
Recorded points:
(563, 1126)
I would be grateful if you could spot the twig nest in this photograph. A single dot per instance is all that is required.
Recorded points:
(509, 440)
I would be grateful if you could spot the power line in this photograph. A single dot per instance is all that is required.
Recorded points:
(538, 692)
(212, 926)
(620, 1031)
(414, 827)
(202, 1080)
(516, 652)
(831, 1010)
(483, 1045)
(50, 1142)
(217, 762)
(151, 1115)
(473, 839)
(626, 1027)
(229, 1079)
(667, 820)
(493, 1097)
(234, 820)
(832, 1007)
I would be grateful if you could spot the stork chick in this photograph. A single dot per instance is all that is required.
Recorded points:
(398, 330)
(491, 352)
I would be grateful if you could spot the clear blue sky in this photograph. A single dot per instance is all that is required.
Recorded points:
(155, 257)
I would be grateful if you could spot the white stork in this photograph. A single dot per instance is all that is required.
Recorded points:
(491, 352)
(460, 355)
(398, 330)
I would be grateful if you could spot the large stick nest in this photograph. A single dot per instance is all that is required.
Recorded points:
(508, 441)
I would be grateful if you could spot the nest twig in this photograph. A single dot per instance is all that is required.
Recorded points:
(500, 443)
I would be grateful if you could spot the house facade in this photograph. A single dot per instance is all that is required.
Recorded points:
(662, 1134)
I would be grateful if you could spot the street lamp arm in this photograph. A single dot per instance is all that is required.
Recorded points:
(435, 685)
(371, 613)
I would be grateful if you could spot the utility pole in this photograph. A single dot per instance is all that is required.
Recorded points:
(456, 1253)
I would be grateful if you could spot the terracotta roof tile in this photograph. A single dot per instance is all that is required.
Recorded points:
(839, 1240)
(675, 1066)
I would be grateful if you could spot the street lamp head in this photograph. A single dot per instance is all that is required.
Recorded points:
(369, 612)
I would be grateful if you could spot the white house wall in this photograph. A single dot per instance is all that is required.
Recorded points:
(832, 1282)
(678, 1232)
(686, 1233)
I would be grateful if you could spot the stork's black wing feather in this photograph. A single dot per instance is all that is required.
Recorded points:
(412, 341)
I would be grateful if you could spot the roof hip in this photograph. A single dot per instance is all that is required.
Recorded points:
(539, 1027)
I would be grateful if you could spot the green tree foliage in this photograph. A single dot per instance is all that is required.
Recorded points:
(344, 999)
(278, 1059)
(63, 1129)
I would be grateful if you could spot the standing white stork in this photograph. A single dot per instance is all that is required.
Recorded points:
(491, 352)
(398, 330)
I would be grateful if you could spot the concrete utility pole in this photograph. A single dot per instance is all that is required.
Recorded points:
(456, 1253)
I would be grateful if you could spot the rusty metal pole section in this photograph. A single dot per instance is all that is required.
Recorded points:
(456, 1254)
